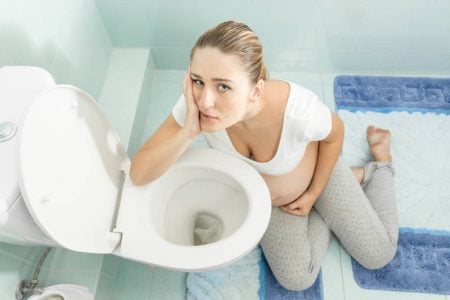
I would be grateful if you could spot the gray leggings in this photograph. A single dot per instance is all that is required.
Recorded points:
(363, 218)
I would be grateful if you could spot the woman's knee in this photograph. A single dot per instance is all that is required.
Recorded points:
(296, 280)
(378, 258)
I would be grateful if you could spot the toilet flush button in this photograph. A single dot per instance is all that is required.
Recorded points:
(7, 131)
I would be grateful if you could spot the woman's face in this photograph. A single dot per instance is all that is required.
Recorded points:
(221, 88)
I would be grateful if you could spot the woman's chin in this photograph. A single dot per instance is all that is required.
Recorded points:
(215, 124)
(208, 127)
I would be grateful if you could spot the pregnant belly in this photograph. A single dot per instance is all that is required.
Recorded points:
(286, 188)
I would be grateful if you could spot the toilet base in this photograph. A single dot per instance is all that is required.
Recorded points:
(63, 292)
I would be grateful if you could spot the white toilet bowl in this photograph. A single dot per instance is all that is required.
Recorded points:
(73, 173)
(63, 292)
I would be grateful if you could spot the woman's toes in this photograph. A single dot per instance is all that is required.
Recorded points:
(379, 142)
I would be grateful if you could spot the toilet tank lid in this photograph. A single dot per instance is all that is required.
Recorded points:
(70, 163)
(19, 85)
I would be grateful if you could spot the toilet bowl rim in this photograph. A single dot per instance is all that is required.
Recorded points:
(196, 258)
(200, 258)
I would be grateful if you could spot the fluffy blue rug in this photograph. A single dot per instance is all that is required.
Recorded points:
(421, 264)
(385, 94)
(270, 289)
(248, 278)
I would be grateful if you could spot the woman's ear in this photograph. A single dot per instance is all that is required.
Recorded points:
(257, 91)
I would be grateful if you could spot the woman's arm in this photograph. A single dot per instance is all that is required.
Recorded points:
(159, 152)
(329, 151)
(167, 143)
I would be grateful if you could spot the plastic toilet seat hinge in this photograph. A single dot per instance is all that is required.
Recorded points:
(117, 204)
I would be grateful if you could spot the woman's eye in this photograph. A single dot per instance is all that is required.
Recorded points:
(197, 81)
(224, 88)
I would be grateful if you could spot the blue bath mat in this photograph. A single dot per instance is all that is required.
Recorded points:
(385, 94)
(248, 278)
(271, 290)
(417, 110)
(421, 264)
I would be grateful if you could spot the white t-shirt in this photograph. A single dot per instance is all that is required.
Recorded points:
(306, 119)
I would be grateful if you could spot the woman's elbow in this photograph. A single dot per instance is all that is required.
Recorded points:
(338, 124)
(135, 175)
(337, 131)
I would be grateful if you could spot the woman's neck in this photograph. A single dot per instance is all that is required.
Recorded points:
(255, 116)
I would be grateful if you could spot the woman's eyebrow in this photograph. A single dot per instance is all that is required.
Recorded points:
(214, 79)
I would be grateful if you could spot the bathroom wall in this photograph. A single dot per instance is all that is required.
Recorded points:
(66, 37)
(298, 35)
(127, 80)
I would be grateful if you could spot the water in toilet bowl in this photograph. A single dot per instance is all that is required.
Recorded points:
(207, 229)
(206, 207)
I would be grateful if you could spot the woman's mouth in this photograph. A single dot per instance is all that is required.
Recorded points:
(207, 117)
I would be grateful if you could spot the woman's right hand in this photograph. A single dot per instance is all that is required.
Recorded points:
(192, 123)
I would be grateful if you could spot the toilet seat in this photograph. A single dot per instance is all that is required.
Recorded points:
(73, 172)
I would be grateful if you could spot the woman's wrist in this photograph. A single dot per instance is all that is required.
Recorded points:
(188, 134)
(315, 193)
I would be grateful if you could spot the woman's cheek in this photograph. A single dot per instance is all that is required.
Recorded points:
(196, 93)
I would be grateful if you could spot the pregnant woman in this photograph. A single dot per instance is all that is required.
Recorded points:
(294, 141)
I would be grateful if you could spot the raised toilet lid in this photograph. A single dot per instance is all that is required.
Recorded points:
(69, 162)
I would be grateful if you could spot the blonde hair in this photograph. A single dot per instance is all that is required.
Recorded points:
(236, 39)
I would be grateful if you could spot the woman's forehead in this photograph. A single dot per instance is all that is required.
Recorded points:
(211, 63)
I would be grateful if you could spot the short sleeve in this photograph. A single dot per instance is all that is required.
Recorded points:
(319, 124)
(179, 111)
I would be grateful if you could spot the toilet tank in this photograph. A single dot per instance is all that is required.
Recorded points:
(19, 85)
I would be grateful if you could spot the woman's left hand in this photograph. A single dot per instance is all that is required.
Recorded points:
(300, 206)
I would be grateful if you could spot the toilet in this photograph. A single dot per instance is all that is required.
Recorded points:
(63, 292)
(66, 183)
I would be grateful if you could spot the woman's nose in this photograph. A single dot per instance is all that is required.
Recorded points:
(206, 99)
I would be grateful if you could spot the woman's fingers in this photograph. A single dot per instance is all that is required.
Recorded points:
(294, 208)
(294, 205)
(188, 93)
(295, 212)
(192, 113)
(186, 83)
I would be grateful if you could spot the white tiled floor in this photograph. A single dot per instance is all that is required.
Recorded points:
(337, 273)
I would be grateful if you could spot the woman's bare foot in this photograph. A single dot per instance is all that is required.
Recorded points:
(379, 143)
(359, 173)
